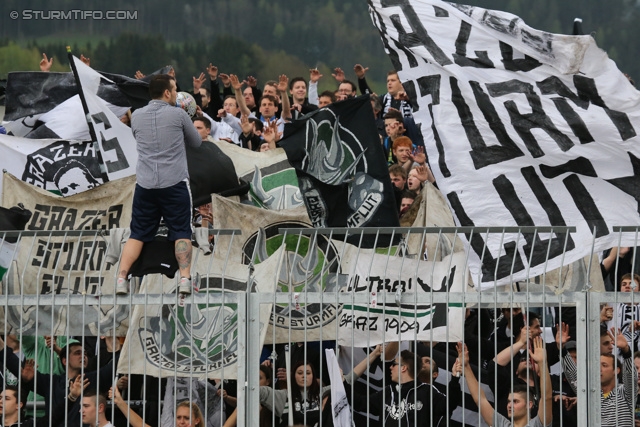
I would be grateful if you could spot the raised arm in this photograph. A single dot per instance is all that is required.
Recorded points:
(367, 361)
(134, 419)
(486, 410)
(629, 372)
(545, 406)
(283, 84)
(505, 356)
(314, 76)
(237, 87)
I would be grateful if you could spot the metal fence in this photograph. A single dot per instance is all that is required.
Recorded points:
(288, 295)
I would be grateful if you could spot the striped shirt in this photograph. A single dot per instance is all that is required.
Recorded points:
(617, 407)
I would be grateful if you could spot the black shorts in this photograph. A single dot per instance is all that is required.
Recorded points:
(171, 203)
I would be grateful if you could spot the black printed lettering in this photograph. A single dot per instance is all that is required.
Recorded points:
(430, 85)
(492, 268)
(460, 56)
(481, 154)
(114, 145)
(586, 205)
(588, 91)
(523, 123)
(520, 64)
(553, 85)
(537, 251)
(630, 184)
(419, 36)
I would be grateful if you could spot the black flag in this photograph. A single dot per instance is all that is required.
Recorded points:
(341, 167)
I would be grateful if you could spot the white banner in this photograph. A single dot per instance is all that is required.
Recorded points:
(195, 340)
(115, 139)
(522, 128)
(56, 165)
(380, 275)
(48, 265)
(308, 267)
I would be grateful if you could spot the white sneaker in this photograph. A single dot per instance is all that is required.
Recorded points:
(122, 286)
(185, 286)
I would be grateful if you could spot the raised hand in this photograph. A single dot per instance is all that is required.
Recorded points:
(212, 70)
(418, 155)
(122, 382)
(283, 83)
(421, 173)
(524, 335)
(269, 134)
(245, 124)
(457, 367)
(114, 394)
(251, 81)
(402, 95)
(606, 313)
(360, 70)
(29, 370)
(198, 81)
(314, 75)
(538, 353)
(172, 72)
(463, 353)
(562, 336)
(139, 75)
(338, 74)
(86, 61)
(77, 385)
(620, 339)
(224, 78)
(233, 81)
(45, 63)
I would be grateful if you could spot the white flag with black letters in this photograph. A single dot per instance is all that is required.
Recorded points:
(522, 128)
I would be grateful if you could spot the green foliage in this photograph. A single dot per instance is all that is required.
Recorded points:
(14, 57)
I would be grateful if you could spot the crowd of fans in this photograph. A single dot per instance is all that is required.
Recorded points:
(503, 353)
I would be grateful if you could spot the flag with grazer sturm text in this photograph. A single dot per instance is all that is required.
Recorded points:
(522, 128)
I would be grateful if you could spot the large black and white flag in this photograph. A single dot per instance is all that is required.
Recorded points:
(522, 128)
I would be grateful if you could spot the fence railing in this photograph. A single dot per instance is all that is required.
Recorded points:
(347, 290)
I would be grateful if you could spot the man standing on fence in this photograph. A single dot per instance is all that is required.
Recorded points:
(162, 188)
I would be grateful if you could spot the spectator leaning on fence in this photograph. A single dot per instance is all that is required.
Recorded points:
(617, 400)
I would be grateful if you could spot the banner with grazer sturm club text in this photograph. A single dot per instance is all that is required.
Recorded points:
(61, 265)
(522, 128)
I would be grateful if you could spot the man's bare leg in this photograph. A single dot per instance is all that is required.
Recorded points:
(130, 254)
(183, 256)
(183, 252)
